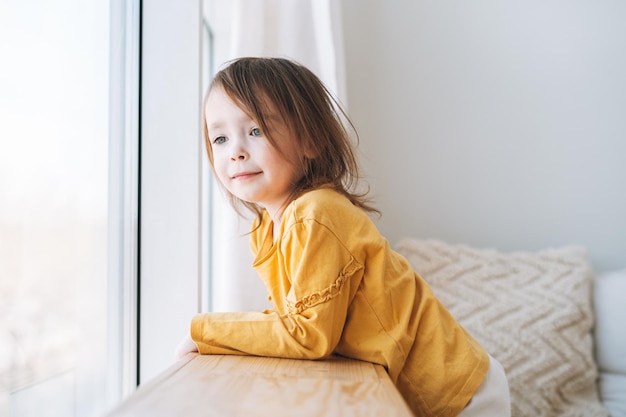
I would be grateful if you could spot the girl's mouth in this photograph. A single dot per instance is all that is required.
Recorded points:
(244, 175)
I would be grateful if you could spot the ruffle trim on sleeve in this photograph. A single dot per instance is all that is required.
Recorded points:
(327, 293)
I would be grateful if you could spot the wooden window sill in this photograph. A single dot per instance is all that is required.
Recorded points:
(216, 385)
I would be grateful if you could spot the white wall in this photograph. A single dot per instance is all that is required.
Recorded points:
(499, 124)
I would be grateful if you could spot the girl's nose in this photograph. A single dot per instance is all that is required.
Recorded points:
(239, 155)
(238, 148)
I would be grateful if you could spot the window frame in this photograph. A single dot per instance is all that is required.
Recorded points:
(123, 237)
(173, 224)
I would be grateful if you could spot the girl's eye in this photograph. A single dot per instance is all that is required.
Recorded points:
(255, 132)
(219, 140)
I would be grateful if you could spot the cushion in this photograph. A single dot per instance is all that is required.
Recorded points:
(610, 308)
(531, 311)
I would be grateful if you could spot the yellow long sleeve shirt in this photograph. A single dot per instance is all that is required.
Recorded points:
(337, 287)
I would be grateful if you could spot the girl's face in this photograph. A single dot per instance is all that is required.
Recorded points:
(245, 161)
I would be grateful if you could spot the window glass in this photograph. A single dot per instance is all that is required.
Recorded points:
(54, 209)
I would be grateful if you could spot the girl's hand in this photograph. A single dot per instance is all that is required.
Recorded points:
(184, 347)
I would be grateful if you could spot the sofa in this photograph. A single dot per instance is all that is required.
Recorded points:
(555, 325)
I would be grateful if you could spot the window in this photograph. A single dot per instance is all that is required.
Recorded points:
(94, 295)
(68, 96)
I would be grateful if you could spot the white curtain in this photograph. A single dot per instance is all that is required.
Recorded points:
(307, 31)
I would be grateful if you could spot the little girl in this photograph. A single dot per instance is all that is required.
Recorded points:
(277, 144)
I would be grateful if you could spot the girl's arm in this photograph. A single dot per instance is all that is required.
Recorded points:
(312, 287)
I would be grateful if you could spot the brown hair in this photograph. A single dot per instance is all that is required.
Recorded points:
(312, 115)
